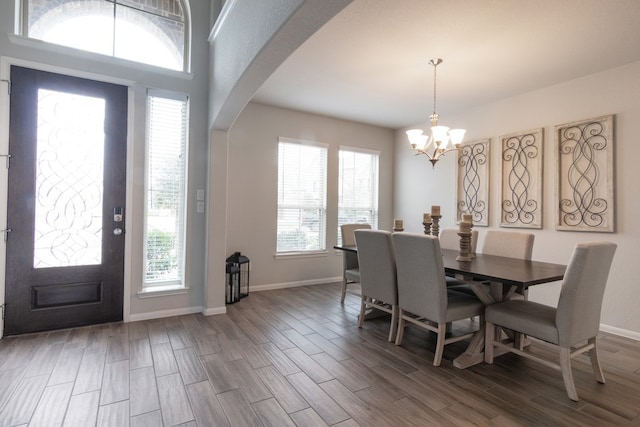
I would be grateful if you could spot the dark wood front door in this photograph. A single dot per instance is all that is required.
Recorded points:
(66, 202)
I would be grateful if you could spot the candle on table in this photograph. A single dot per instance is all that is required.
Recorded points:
(397, 224)
(467, 218)
(435, 210)
(465, 227)
(426, 218)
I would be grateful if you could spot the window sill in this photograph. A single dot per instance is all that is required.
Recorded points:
(162, 291)
(292, 255)
(93, 56)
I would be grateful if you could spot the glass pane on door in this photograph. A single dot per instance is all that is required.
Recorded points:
(69, 180)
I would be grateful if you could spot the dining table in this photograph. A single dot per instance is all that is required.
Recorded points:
(493, 279)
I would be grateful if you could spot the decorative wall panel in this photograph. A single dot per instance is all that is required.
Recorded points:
(522, 160)
(585, 196)
(473, 182)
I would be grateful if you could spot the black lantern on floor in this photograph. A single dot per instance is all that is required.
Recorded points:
(237, 285)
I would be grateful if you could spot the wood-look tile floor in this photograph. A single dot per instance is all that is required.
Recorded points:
(294, 357)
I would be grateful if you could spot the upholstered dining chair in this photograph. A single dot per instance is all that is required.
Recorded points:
(378, 281)
(422, 291)
(572, 326)
(350, 272)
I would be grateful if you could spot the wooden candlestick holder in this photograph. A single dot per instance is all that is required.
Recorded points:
(435, 226)
(465, 246)
(427, 228)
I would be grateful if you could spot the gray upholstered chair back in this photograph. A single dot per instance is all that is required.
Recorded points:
(449, 239)
(377, 265)
(508, 244)
(580, 303)
(349, 239)
(421, 282)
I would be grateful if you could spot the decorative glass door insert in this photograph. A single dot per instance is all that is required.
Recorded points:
(69, 180)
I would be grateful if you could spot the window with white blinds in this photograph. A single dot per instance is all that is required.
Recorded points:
(357, 187)
(302, 196)
(165, 189)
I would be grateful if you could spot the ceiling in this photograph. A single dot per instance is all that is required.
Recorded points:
(371, 62)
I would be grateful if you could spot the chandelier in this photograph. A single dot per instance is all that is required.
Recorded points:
(436, 144)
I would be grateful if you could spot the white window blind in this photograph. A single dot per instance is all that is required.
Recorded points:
(165, 188)
(302, 196)
(357, 187)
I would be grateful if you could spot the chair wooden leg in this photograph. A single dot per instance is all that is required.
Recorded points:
(442, 331)
(595, 361)
(394, 323)
(344, 290)
(567, 376)
(489, 332)
(400, 332)
(363, 307)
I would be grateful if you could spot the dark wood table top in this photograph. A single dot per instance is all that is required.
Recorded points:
(509, 271)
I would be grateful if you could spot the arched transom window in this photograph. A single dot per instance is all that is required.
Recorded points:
(148, 31)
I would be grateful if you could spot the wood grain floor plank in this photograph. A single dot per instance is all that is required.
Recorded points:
(248, 381)
(308, 418)
(67, 366)
(140, 353)
(206, 407)
(44, 360)
(178, 336)
(290, 400)
(280, 360)
(118, 348)
(308, 365)
(150, 419)
(164, 361)
(173, 400)
(89, 376)
(115, 384)
(143, 394)
(221, 379)
(189, 366)
(52, 406)
(138, 331)
(301, 342)
(238, 410)
(23, 401)
(357, 409)
(115, 414)
(320, 401)
(82, 410)
(351, 379)
(271, 414)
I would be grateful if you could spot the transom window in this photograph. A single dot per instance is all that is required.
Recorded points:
(147, 31)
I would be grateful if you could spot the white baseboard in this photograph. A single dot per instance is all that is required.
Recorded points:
(215, 310)
(272, 286)
(165, 313)
(621, 332)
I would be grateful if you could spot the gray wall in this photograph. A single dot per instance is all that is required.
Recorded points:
(252, 188)
(611, 92)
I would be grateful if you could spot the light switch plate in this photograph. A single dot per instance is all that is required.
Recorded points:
(200, 194)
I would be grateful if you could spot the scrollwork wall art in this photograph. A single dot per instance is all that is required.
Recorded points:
(521, 202)
(585, 196)
(473, 182)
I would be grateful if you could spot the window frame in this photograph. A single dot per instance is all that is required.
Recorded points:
(179, 283)
(322, 206)
(374, 207)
